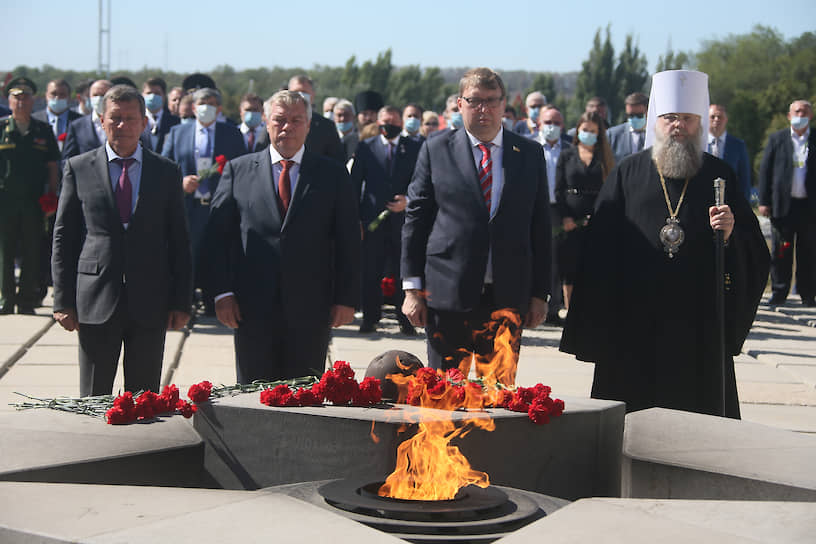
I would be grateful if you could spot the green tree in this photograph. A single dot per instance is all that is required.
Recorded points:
(671, 60)
(597, 77)
(631, 75)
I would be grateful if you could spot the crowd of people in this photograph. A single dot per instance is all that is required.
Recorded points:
(292, 218)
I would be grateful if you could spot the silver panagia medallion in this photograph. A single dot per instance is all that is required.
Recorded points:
(672, 235)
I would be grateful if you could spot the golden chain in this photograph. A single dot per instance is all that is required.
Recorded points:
(672, 214)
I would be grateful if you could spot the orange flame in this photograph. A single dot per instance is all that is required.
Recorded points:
(429, 467)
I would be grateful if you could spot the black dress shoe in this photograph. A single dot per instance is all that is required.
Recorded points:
(7, 309)
(367, 328)
(776, 301)
(809, 303)
(408, 330)
(25, 310)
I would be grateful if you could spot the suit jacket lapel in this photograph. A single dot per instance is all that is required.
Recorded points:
(303, 184)
(100, 165)
(145, 184)
(266, 180)
(463, 158)
(511, 162)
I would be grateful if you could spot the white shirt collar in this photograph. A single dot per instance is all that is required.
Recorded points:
(803, 137)
(497, 141)
(277, 157)
(112, 155)
(711, 137)
(199, 126)
(386, 141)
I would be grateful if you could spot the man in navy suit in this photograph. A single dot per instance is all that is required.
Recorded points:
(477, 231)
(57, 114)
(382, 170)
(729, 148)
(196, 148)
(787, 194)
(629, 137)
(87, 132)
(529, 126)
(159, 118)
(285, 249)
(122, 266)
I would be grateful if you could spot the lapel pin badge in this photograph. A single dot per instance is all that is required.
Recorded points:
(516, 149)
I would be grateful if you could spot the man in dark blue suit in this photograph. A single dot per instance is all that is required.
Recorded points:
(159, 118)
(285, 249)
(383, 166)
(57, 114)
(729, 148)
(477, 232)
(629, 137)
(87, 132)
(787, 194)
(197, 147)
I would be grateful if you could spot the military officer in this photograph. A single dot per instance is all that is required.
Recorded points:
(28, 169)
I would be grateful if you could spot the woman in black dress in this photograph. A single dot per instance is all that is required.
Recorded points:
(580, 172)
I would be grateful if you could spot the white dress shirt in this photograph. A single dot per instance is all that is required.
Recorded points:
(720, 147)
(96, 122)
(551, 154)
(134, 173)
(800, 155)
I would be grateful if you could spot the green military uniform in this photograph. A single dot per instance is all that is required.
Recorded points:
(23, 180)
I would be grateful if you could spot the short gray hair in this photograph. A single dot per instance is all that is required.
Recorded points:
(536, 94)
(205, 93)
(287, 99)
(123, 93)
(345, 104)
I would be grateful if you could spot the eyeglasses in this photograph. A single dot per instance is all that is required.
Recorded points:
(672, 118)
(477, 103)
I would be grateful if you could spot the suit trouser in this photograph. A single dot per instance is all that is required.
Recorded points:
(197, 217)
(377, 247)
(21, 229)
(796, 231)
(99, 348)
(454, 337)
(557, 297)
(274, 348)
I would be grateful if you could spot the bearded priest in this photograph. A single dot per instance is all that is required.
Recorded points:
(643, 307)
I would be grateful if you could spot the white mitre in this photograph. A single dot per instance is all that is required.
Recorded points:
(678, 91)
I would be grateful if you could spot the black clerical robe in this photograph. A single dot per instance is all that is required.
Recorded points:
(648, 321)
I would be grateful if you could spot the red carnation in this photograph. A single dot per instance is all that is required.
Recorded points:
(147, 405)
(368, 393)
(48, 203)
(343, 369)
(187, 409)
(517, 405)
(61, 137)
(539, 413)
(388, 286)
(305, 397)
(220, 160)
(200, 392)
(124, 409)
(427, 376)
(503, 398)
(454, 375)
(169, 399)
(117, 416)
(279, 395)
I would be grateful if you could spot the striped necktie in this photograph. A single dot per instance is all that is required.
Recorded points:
(486, 174)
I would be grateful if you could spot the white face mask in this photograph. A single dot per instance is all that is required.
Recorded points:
(96, 104)
(206, 113)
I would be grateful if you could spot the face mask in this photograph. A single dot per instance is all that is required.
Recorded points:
(96, 104)
(456, 120)
(798, 123)
(550, 132)
(390, 131)
(637, 122)
(412, 125)
(329, 115)
(206, 113)
(507, 123)
(306, 97)
(534, 112)
(57, 105)
(88, 104)
(153, 102)
(252, 118)
(187, 120)
(587, 138)
(344, 126)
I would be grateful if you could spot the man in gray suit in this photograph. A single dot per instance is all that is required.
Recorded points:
(122, 262)
(628, 137)
(477, 231)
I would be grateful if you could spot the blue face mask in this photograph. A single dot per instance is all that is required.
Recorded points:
(344, 127)
(57, 105)
(153, 101)
(587, 138)
(252, 118)
(456, 120)
(534, 113)
(798, 123)
(412, 125)
(637, 122)
(551, 132)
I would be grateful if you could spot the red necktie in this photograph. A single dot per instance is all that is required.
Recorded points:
(285, 187)
(251, 140)
(486, 174)
(124, 191)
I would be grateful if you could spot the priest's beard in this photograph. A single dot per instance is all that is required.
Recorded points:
(677, 159)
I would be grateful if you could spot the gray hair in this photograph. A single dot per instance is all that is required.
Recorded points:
(123, 93)
(344, 104)
(536, 94)
(287, 99)
(205, 93)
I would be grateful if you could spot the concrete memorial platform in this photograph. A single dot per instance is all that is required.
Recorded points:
(250, 445)
(638, 521)
(670, 454)
(106, 514)
(42, 445)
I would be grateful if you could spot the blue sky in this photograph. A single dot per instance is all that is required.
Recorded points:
(520, 35)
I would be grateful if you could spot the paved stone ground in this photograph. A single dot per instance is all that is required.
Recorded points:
(776, 373)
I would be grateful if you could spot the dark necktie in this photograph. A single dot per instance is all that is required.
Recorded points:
(486, 174)
(639, 141)
(285, 187)
(389, 158)
(251, 140)
(124, 191)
